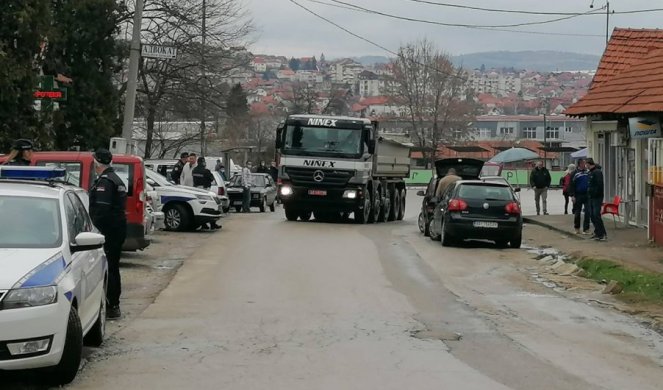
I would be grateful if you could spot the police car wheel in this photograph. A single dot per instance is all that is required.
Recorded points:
(95, 337)
(177, 218)
(66, 370)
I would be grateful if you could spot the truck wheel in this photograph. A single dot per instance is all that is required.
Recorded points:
(386, 207)
(291, 215)
(395, 197)
(177, 218)
(375, 207)
(305, 215)
(401, 212)
(362, 216)
(67, 368)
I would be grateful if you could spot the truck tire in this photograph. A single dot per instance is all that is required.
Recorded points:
(401, 212)
(375, 207)
(362, 216)
(67, 368)
(395, 204)
(386, 205)
(291, 215)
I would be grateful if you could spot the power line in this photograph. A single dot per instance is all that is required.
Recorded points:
(512, 11)
(359, 8)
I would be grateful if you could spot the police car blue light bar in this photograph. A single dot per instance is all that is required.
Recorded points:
(32, 173)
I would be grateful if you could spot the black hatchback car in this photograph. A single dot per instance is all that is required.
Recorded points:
(478, 209)
(466, 168)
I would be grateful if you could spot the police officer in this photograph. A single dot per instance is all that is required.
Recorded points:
(203, 178)
(108, 197)
(177, 169)
(21, 153)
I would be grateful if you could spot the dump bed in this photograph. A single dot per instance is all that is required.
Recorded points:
(391, 159)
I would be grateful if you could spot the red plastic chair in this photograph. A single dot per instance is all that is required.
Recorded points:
(612, 208)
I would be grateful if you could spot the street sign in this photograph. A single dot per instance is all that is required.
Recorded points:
(48, 93)
(159, 51)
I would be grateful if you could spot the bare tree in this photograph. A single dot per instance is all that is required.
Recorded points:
(434, 94)
(304, 99)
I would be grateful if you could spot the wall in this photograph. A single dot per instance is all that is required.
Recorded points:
(514, 176)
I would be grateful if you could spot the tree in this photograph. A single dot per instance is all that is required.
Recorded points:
(294, 64)
(434, 94)
(313, 65)
(305, 99)
(83, 46)
(23, 25)
(237, 106)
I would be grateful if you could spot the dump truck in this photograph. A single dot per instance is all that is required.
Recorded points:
(334, 166)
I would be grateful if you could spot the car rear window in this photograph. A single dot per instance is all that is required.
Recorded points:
(483, 191)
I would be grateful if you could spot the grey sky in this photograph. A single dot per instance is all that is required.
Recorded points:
(284, 28)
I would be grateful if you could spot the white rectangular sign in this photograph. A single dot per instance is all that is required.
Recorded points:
(159, 51)
(644, 127)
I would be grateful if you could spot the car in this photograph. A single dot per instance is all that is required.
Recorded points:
(162, 167)
(53, 274)
(263, 192)
(153, 205)
(185, 208)
(466, 168)
(80, 172)
(219, 188)
(478, 209)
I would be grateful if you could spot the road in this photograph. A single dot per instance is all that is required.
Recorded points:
(267, 303)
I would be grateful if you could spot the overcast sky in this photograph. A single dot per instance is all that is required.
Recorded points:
(285, 29)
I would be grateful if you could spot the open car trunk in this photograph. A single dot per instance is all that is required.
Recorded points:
(466, 168)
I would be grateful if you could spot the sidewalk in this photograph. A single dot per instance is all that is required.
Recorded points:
(628, 246)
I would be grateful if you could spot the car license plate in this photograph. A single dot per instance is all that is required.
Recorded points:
(238, 203)
(317, 192)
(489, 225)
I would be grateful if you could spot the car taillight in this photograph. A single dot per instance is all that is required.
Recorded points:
(221, 191)
(140, 203)
(457, 205)
(513, 208)
(279, 181)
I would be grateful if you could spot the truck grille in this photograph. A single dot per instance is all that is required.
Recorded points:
(331, 178)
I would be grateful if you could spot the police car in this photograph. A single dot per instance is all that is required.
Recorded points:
(52, 274)
(185, 208)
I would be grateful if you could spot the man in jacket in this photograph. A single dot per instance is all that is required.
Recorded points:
(595, 194)
(203, 178)
(21, 153)
(540, 180)
(577, 190)
(262, 168)
(176, 174)
(247, 184)
(187, 171)
(108, 197)
(445, 182)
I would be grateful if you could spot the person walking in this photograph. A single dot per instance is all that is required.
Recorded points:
(203, 178)
(540, 180)
(262, 168)
(108, 197)
(187, 171)
(176, 174)
(20, 154)
(578, 192)
(595, 194)
(274, 171)
(219, 165)
(444, 183)
(565, 181)
(246, 183)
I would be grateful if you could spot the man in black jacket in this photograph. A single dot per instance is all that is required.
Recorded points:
(203, 178)
(578, 192)
(540, 180)
(177, 169)
(595, 195)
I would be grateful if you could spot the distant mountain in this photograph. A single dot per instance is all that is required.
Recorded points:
(541, 60)
(372, 60)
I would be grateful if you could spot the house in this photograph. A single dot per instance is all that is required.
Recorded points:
(259, 65)
(623, 110)
(368, 84)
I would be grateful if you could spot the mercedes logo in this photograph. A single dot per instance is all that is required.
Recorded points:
(318, 176)
(485, 206)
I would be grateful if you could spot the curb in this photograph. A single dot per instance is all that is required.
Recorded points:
(553, 228)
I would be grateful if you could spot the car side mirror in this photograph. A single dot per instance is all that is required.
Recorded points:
(421, 193)
(87, 241)
(517, 189)
(151, 182)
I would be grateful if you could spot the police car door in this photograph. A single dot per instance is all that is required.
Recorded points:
(87, 264)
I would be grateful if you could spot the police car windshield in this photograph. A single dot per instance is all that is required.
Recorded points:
(322, 141)
(29, 222)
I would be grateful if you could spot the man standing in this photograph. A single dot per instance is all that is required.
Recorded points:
(595, 195)
(445, 182)
(203, 178)
(262, 168)
(21, 153)
(108, 197)
(176, 174)
(187, 171)
(540, 180)
(578, 192)
(274, 171)
(246, 183)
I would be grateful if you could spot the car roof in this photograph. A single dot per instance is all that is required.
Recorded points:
(484, 182)
(34, 189)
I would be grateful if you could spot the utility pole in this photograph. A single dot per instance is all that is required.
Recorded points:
(607, 22)
(203, 144)
(545, 141)
(134, 59)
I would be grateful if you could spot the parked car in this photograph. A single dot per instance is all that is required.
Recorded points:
(154, 209)
(263, 192)
(52, 275)
(478, 209)
(219, 188)
(466, 168)
(163, 167)
(185, 208)
(80, 172)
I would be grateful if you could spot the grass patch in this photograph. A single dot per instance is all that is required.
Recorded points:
(638, 286)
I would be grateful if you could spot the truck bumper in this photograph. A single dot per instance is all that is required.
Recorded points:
(332, 200)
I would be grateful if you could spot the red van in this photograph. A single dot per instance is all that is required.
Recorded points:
(80, 172)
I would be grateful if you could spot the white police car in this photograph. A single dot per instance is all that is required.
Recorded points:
(52, 274)
(184, 207)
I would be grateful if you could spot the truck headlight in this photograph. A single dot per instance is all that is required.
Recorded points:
(350, 194)
(30, 297)
(286, 190)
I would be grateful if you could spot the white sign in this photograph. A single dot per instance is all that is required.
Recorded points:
(644, 127)
(158, 51)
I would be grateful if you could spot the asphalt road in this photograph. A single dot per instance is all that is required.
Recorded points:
(270, 304)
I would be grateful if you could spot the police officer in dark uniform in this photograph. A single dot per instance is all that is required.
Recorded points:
(177, 169)
(108, 197)
(203, 178)
(21, 153)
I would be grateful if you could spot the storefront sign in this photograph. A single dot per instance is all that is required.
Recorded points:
(159, 51)
(644, 127)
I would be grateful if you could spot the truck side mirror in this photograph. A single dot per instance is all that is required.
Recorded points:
(371, 146)
(279, 136)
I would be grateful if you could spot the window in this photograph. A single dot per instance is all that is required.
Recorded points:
(431, 187)
(78, 220)
(506, 130)
(73, 169)
(485, 133)
(126, 173)
(529, 132)
(485, 192)
(552, 132)
(568, 129)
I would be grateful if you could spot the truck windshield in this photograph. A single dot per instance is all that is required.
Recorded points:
(323, 141)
